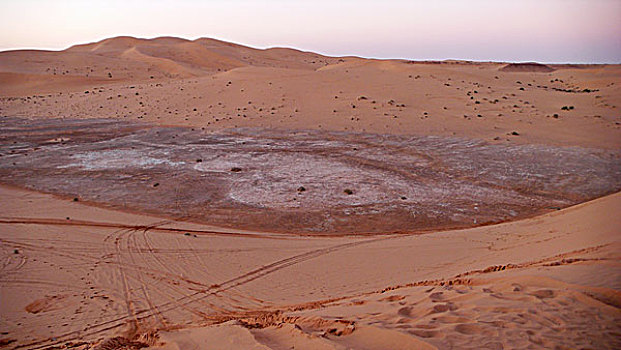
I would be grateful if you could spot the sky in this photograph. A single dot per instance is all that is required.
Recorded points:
(580, 31)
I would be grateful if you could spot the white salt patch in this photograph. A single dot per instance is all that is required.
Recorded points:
(117, 159)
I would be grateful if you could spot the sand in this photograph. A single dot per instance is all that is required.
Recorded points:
(89, 273)
(283, 88)
(551, 280)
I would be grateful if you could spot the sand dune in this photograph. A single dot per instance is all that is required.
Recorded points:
(205, 194)
(216, 85)
(527, 68)
(107, 274)
(134, 59)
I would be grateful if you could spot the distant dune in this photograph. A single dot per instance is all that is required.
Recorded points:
(530, 67)
(133, 58)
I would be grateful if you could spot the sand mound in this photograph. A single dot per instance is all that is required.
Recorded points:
(528, 67)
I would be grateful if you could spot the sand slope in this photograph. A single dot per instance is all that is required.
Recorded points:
(549, 280)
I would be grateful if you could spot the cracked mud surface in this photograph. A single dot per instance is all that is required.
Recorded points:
(304, 181)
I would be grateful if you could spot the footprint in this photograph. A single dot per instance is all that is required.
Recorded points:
(437, 296)
(543, 293)
(405, 311)
(451, 319)
(424, 333)
(440, 308)
(469, 328)
(393, 298)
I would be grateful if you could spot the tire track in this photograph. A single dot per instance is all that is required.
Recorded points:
(457, 279)
(140, 276)
(231, 233)
(130, 310)
(83, 223)
(72, 255)
(211, 291)
(131, 237)
(166, 270)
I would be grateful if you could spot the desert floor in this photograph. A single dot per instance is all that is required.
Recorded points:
(177, 194)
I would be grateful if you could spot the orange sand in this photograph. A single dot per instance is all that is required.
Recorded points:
(75, 275)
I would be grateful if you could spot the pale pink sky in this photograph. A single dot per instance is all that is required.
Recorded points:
(501, 30)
